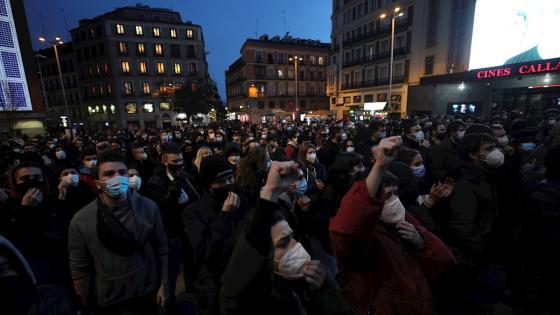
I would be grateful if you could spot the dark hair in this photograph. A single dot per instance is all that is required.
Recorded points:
(88, 151)
(250, 174)
(28, 164)
(406, 155)
(343, 164)
(472, 143)
(375, 126)
(551, 163)
(389, 179)
(292, 134)
(454, 126)
(479, 128)
(106, 157)
(170, 148)
(303, 152)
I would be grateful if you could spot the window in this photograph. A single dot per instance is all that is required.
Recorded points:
(127, 88)
(146, 88)
(148, 108)
(143, 65)
(194, 87)
(321, 60)
(290, 74)
(173, 32)
(358, 99)
(429, 65)
(164, 106)
(192, 67)
(258, 57)
(368, 98)
(120, 29)
(131, 108)
(313, 59)
(158, 49)
(140, 48)
(190, 34)
(156, 32)
(191, 53)
(106, 68)
(177, 68)
(125, 67)
(178, 86)
(101, 49)
(139, 30)
(160, 66)
(175, 51)
(123, 48)
(108, 89)
(280, 74)
(272, 104)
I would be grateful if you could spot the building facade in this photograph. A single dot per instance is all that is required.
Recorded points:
(131, 61)
(21, 105)
(52, 87)
(261, 84)
(432, 37)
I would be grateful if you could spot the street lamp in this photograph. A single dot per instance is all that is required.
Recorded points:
(296, 59)
(397, 12)
(58, 41)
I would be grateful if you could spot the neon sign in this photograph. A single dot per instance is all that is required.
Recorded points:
(521, 69)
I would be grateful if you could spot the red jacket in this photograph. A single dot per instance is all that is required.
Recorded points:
(379, 273)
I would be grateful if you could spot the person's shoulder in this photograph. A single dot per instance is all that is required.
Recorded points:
(85, 214)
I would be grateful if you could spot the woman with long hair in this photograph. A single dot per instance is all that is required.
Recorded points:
(313, 171)
(250, 173)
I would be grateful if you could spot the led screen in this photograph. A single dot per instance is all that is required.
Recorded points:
(514, 31)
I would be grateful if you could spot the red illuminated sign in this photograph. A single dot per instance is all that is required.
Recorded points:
(522, 69)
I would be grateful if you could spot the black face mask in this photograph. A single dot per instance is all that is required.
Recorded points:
(221, 193)
(440, 136)
(22, 188)
(174, 168)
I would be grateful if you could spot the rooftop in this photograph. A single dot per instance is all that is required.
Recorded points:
(288, 41)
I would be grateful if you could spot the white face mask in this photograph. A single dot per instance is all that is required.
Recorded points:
(234, 159)
(350, 149)
(343, 136)
(291, 265)
(51, 146)
(71, 180)
(311, 157)
(460, 135)
(503, 140)
(61, 155)
(135, 182)
(144, 156)
(495, 158)
(393, 211)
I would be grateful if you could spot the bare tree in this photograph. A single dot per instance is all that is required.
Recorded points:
(8, 106)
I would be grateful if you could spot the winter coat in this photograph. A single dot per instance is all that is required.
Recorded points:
(251, 287)
(165, 193)
(211, 235)
(379, 273)
(443, 158)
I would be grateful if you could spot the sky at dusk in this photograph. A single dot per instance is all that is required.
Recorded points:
(226, 23)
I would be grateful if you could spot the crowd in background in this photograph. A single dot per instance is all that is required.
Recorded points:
(427, 215)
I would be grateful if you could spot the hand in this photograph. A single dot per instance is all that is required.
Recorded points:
(62, 190)
(425, 144)
(163, 294)
(386, 151)
(232, 203)
(409, 233)
(32, 198)
(314, 274)
(304, 202)
(280, 177)
(320, 184)
(3, 196)
(440, 190)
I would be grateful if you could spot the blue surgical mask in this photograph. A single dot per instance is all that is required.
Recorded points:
(383, 135)
(528, 146)
(419, 171)
(116, 187)
(301, 187)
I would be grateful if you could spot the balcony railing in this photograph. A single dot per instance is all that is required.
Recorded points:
(373, 83)
(400, 24)
(375, 58)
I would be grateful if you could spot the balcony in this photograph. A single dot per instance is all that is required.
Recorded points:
(373, 83)
(236, 80)
(400, 25)
(401, 51)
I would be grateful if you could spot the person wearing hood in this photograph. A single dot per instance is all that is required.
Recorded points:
(212, 223)
(233, 154)
(117, 245)
(270, 272)
(387, 260)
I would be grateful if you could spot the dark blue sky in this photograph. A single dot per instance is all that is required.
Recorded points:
(226, 23)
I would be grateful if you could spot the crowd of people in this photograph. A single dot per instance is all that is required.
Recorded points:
(427, 215)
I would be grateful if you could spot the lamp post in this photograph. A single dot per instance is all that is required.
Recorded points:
(38, 57)
(58, 41)
(296, 59)
(396, 13)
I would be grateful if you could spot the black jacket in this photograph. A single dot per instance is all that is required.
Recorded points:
(211, 234)
(250, 286)
(443, 158)
(472, 213)
(327, 154)
(166, 194)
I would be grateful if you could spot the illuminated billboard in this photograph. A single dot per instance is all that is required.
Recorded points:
(514, 31)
